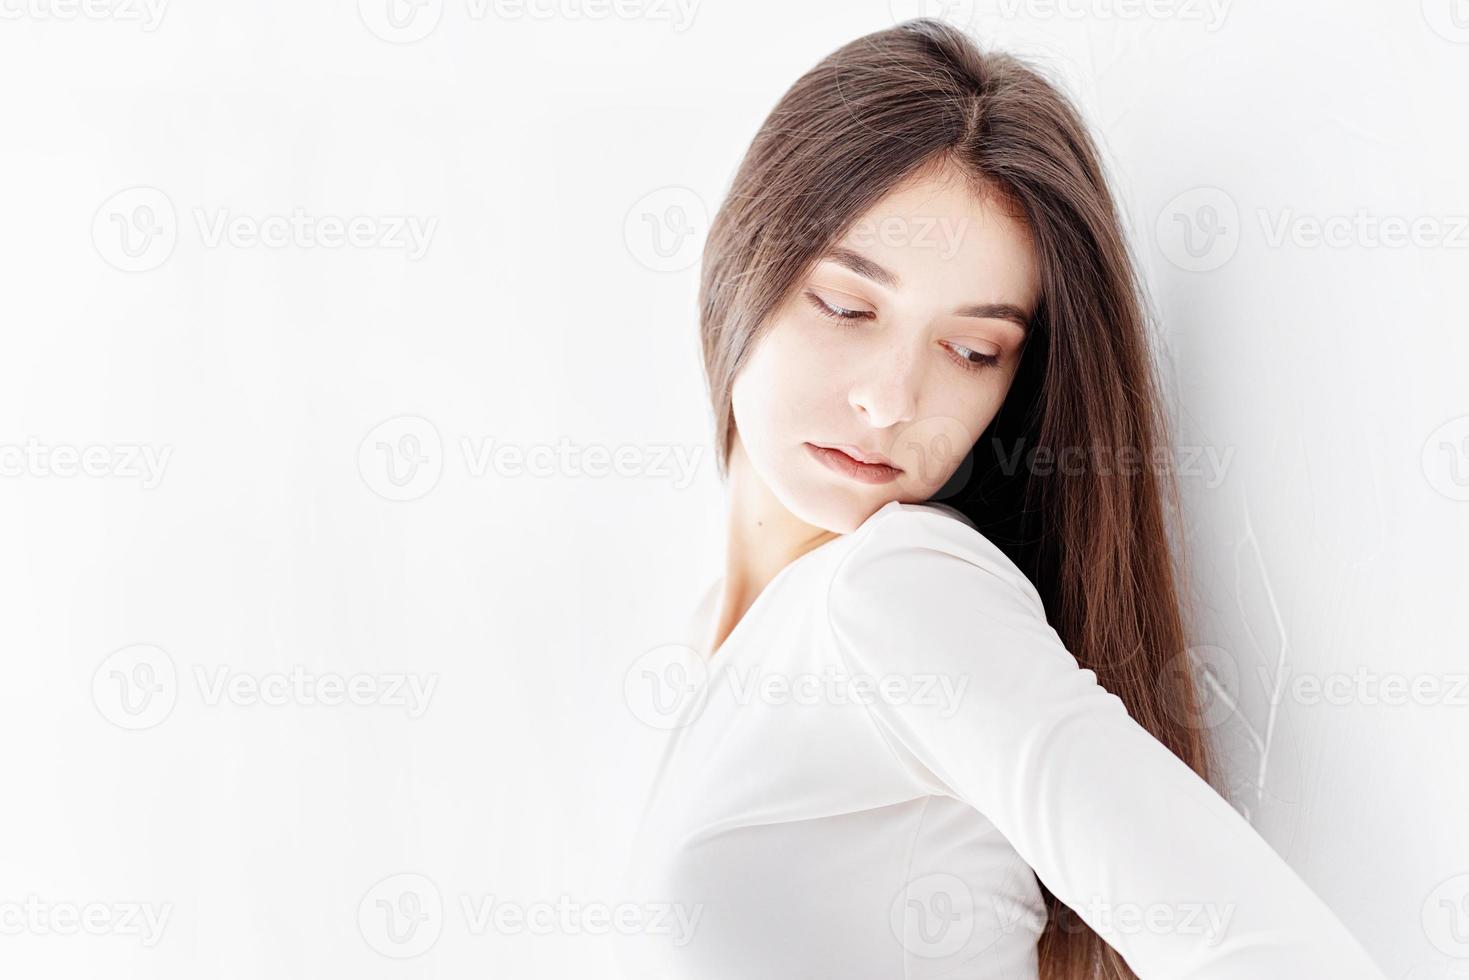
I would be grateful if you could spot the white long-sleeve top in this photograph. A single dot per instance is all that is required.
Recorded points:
(891, 746)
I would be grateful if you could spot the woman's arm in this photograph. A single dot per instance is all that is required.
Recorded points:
(1114, 824)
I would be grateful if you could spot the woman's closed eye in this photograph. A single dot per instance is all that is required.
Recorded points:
(972, 358)
(966, 357)
(836, 312)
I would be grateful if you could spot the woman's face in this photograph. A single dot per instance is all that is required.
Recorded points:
(901, 342)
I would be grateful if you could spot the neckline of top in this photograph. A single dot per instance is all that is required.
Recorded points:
(759, 602)
(712, 603)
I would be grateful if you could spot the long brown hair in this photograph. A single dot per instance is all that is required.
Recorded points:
(1093, 538)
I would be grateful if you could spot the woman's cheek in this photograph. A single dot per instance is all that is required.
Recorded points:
(811, 361)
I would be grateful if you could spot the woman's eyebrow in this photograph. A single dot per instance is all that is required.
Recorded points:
(868, 269)
(863, 266)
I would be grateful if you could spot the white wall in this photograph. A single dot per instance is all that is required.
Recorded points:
(259, 528)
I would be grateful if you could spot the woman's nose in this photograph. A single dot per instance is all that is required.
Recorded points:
(886, 393)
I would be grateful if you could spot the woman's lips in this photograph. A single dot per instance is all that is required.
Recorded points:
(840, 462)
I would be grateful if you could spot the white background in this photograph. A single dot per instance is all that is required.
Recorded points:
(561, 163)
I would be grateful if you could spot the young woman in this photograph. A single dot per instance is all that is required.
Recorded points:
(944, 723)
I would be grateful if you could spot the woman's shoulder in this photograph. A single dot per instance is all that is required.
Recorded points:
(918, 545)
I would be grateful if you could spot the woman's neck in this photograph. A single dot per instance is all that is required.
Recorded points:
(762, 538)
